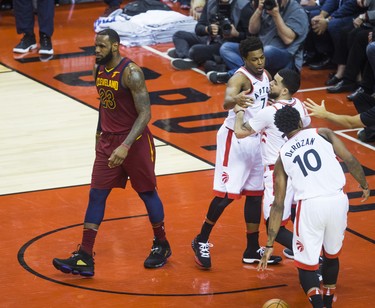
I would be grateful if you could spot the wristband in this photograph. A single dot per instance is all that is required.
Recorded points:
(239, 111)
(269, 246)
(125, 146)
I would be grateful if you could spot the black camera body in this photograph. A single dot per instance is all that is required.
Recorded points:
(222, 17)
(269, 5)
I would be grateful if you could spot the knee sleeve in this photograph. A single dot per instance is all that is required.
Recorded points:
(96, 207)
(217, 207)
(330, 270)
(308, 279)
(154, 206)
(253, 209)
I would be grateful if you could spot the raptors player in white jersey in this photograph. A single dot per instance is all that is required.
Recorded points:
(238, 169)
(309, 160)
(285, 83)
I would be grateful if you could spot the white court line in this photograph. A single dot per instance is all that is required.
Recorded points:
(342, 134)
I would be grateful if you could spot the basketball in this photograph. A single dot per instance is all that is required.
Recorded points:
(275, 303)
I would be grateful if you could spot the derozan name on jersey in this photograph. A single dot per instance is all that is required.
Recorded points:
(299, 144)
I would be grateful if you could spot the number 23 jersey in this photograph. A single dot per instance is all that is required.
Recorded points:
(311, 164)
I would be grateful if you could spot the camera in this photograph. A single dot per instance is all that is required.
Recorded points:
(268, 5)
(222, 17)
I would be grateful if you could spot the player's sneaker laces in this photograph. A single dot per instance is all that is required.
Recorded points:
(79, 263)
(160, 252)
(255, 257)
(27, 43)
(202, 253)
(288, 253)
(45, 45)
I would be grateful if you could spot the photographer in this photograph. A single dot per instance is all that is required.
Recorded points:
(282, 27)
(220, 20)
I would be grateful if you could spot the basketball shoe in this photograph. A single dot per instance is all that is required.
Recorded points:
(251, 257)
(202, 253)
(79, 263)
(27, 43)
(160, 252)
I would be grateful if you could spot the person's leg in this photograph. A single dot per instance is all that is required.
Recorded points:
(330, 272)
(357, 55)
(24, 14)
(183, 41)
(277, 59)
(230, 53)
(370, 52)
(362, 103)
(46, 13)
(311, 286)
(200, 243)
(200, 53)
(82, 262)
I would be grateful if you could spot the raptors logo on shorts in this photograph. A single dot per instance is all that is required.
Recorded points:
(300, 246)
(225, 177)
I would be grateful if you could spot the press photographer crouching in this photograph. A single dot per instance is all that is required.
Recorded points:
(220, 21)
(282, 26)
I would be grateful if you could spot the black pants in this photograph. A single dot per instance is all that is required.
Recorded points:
(357, 42)
(24, 13)
(190, 45)
(364, 102)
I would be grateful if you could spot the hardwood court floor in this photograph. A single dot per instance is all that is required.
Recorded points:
(48, 119)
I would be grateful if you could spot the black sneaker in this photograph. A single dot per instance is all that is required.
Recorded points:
(160, 252)
(255, 257)
(172, 53)
(202, 253)
(288, 253)
(210, 65)
(183, 64)
(45, 45)
(27, 44)
(79, 263)
(218, 77)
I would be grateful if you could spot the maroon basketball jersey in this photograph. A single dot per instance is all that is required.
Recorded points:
(117, 110)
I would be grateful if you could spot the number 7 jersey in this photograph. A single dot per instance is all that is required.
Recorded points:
(311, 164)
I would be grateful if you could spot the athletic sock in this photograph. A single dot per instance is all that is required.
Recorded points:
(88, 240)
(205, 232)
(252, 240)
(159, 231)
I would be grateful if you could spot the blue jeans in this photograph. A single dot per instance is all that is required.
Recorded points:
(230, 53)
(371, 55)
(276, 58)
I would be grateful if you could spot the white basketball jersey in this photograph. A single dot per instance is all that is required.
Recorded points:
(272, 138)
(311, 164)
(259, 93)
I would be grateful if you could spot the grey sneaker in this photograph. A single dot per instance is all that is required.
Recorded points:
(27, 43)
(171, 52)
(183, 64)
(218, 77)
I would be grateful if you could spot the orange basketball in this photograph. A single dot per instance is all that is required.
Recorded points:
(275, 303)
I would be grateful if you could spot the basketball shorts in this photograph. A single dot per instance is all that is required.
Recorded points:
(320, 223)
(138, 166)
(269, 196)
(238, 170)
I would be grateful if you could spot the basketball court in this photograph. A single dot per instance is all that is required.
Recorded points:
(48, 122)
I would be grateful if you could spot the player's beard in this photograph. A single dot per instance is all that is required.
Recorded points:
(273, 95)
(105, 60)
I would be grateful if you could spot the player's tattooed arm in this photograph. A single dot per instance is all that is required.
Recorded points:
(133, 79)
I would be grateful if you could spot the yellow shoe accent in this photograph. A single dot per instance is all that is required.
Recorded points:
(80, 262)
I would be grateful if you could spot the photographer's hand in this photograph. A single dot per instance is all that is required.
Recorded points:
(233, 32)
(213, 29)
